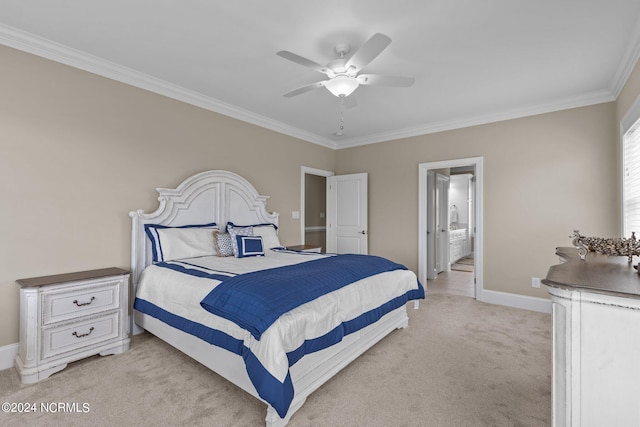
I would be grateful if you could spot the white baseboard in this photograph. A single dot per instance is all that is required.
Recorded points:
(541, 305)
(7, 355)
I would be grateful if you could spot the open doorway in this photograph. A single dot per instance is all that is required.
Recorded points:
(313, 202)
(460, 226)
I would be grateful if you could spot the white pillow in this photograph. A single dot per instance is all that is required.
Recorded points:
(171, 243)
(269, 235)
(179, 243)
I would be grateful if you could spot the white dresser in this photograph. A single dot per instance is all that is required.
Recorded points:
(596, 341)
(67, 317)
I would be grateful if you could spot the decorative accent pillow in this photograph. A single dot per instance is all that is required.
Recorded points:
(222, 242)
(249, 246)
(268, 232)
(235, 231)
(187, 241)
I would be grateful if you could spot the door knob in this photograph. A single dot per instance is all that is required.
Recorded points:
(362, 232)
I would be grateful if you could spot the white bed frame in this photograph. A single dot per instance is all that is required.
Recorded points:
(221, 196)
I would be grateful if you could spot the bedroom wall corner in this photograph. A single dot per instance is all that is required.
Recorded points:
(544, 176)
(629, 95)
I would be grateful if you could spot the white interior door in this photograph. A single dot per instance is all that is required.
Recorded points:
(442, 223)
(347, 216)
(437, 223)
(431, 225)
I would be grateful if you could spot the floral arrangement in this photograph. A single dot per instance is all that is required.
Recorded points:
(607, 246)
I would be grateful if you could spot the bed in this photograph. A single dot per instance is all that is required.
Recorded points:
(196, 262)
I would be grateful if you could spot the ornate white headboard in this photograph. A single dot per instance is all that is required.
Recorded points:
(212, 196)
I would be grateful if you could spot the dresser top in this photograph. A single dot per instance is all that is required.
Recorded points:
(71, 277)
(598, 273)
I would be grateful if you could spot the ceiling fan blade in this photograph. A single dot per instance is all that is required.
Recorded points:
(369, 51)
(378, 80)
(305, 62)
(304, 89)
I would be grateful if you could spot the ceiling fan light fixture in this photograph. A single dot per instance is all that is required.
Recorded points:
(342, 86)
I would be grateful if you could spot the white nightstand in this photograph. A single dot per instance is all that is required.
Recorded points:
(305, 248)
(67, 317)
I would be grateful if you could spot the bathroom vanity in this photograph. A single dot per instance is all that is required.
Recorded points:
(596, 340)
(458, 244)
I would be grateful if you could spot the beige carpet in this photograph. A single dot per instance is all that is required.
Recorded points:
(460, 363)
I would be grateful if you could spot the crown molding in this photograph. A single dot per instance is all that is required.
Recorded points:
(44, 48)
(628, 63)
(592, 98)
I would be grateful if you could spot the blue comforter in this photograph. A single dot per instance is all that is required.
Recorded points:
(264, 295)
(255, 300)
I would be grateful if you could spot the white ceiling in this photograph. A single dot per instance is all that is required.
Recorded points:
(474, 61)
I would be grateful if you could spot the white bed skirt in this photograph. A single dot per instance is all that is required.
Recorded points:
(307, 374)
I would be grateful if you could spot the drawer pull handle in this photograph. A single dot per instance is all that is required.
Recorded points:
(83, 335)
(80, 304)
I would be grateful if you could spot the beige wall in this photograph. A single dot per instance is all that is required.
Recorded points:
(78, 152)
(315, 201)
(544, 176)
(315, 209)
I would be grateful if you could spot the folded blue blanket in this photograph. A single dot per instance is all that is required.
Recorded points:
(255, 300)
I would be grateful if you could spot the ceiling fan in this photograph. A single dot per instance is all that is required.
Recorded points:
(344, 74)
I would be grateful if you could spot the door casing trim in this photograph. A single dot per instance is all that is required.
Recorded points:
(423, 168)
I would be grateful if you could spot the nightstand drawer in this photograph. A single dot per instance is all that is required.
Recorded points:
(80, 301)
(73, 336)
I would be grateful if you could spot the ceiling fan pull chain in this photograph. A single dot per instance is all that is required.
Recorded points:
(341, 124)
